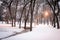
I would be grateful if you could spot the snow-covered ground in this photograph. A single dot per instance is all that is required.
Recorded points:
(39, 32)
(6, 30)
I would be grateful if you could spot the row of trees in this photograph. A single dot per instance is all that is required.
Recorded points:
(30, 11)
(27, 10)
(54, 5)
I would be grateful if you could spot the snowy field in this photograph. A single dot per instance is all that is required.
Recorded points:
(39, 32)
(6, 30)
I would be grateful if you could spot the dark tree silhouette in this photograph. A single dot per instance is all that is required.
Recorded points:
(32, 9)
(54, 6)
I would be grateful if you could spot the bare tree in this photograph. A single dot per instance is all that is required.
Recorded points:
(54, 6)
(32, 9)
(23, 13)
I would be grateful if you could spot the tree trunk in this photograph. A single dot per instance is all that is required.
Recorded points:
(20, 23)
(12, 23)
(32, 9)
(15, 14)
(25, 24)
(57, 22)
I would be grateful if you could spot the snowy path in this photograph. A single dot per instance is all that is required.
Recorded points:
(40, 32)
(7, 31)
(11, 35)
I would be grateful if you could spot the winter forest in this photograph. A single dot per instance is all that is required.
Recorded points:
(29, 19)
